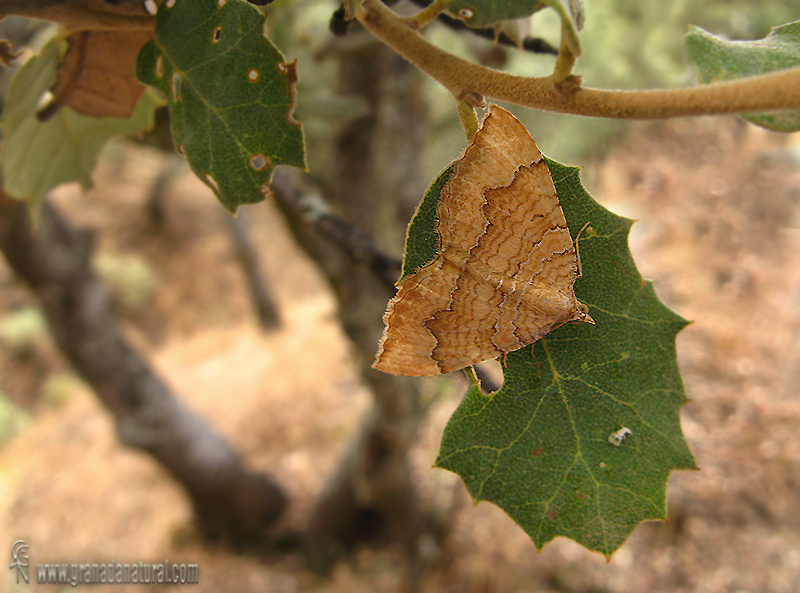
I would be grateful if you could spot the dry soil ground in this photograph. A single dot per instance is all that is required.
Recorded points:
(718, 232)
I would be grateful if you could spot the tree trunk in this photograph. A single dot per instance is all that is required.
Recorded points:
(378, 183)
(54, 261)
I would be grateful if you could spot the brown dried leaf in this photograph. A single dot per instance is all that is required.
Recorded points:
(504, 275)
(83, 15)
(97, 76)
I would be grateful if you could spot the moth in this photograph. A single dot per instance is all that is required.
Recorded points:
(506, 266)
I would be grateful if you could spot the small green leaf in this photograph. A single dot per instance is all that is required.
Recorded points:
(230, 95)
(717, 59)
(37, 156)
(486, 13)
(422, 240)
(543, 448)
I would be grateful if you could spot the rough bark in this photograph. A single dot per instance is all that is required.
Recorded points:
(377, 183)
(229, 501)
(371, 496)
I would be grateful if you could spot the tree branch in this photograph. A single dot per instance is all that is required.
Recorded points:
(353, 241)
(228, 498)
(779, 90)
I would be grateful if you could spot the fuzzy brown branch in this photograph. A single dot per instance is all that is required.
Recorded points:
(776, 91)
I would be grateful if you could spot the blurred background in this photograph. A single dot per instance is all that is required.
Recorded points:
(716, 203)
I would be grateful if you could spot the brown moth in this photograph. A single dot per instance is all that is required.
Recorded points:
(506, 267)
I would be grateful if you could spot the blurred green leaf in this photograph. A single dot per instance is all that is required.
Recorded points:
(486, 13)
(422, 241)
(539, 448)
(13, 420)
(717, 59)
(130, 279)
(24, 331)
(230, 95)
(37, 156)
(58, 388)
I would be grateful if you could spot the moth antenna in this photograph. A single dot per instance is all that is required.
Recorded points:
(578, 249)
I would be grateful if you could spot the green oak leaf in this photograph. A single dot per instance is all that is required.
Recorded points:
(486, 13)
(540, 448)
(230, 94)
(37, 156)
(717, 59)
(422, 240)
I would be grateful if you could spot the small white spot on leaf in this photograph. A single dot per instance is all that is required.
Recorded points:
(616, 438)
(212, 182)
(259, 162)
(265, 189)
(217, 34)
(253, 75)
(150, 6)
(44, 100)
(175, 82)
(181, 150)
(160, 66)
(170, 3)
(221, 3)
(466, 13)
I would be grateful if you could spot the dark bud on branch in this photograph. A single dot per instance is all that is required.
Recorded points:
(338, 25)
